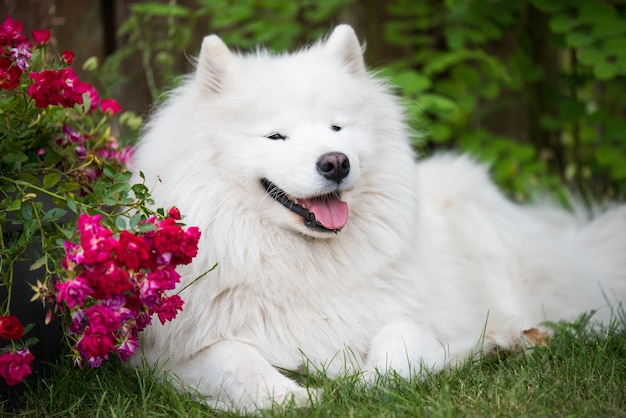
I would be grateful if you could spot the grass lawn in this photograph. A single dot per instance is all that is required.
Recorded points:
(582, 373)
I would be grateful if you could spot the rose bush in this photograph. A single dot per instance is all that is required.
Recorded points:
(106, 260)
(114, 286)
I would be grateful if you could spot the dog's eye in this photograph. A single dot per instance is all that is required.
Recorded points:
(276, 136)
(335, 128)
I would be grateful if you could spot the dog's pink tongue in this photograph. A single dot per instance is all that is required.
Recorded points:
(332, 213)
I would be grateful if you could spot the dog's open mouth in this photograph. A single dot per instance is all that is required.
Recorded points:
(326, 213)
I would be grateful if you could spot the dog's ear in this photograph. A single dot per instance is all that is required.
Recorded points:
(213, 62)
(343, 43)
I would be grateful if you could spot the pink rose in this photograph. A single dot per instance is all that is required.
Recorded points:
(110, 106)
(127, 348)
(164, 278)
(73, 292)
(14, 367)
(102, 319)
(169, 307)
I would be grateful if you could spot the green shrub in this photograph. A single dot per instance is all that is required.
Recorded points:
(533, 87)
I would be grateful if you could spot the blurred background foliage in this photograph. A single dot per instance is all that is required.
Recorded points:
(536, 88)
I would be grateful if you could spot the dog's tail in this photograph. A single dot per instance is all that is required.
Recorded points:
(603, 239)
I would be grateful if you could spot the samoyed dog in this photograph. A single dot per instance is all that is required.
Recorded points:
(336, 250)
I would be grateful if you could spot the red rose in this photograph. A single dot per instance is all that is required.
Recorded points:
(107, 280)
(133, 251)
(188, 247)
(174, 213)
(10, 74)
(95, 344)
(41, 36)
(60, 87)
(11, 328)
(68, 56)
(11, 32)
(168, 236)
(45, 90)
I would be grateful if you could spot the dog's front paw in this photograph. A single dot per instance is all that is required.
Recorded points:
(300, 397)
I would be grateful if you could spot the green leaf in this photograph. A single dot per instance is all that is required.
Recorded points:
(68, 187)
(30, 341)
(135, 219)
(91, 64)
(440, 133)
(605, 71)
(30, 178)
(589, 56)
(490, 91)
(120, 189)
(615, 45)
(467, 74)
(550, 123)
(577, 40)
(596, 11)
(28, 327)
(27, 212)
(606, 28)
(411, 82)
(53, 215)
(50, 179)
(71, 204)
(15, 205)
(109, 171)
(547, 6)
(455, 37)
(439, 105)
(156, 9)
(86, 102)
(120, 223)
(141, 191)
(146, 227)
(39, 263)
(571, 110)
(562, 24)
(15, 157)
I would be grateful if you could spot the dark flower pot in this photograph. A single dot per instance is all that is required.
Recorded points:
(48, 348)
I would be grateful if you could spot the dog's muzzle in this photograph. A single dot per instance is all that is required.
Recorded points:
(331, 211)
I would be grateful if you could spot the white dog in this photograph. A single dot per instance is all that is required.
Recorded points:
(335, 249)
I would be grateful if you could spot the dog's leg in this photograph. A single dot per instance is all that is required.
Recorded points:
(236, 376)
(406, 348)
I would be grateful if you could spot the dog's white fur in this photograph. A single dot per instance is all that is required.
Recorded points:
(433, 265)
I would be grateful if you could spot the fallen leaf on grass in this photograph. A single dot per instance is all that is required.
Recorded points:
(536, 338)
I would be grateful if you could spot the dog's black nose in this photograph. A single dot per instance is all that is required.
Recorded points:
(334, 166)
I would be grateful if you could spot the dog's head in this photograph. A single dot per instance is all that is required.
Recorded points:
(294, 128)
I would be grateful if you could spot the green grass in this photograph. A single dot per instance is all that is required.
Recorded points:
(582, 373)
